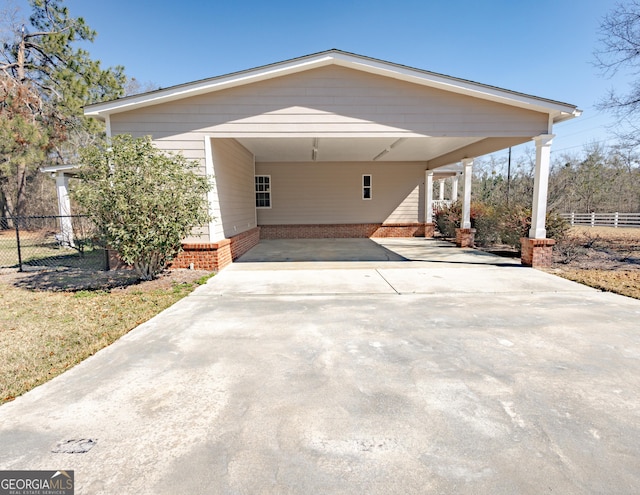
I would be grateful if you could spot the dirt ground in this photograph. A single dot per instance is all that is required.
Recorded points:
(73, 280)
(599, 248)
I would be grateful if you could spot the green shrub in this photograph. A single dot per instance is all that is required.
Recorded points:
(500, 224)
(447, 219)
(486, 222)
(143, 200)
(515, 222)
(557, 227)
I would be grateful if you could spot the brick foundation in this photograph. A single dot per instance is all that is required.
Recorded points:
(204, 255)
(241, 243)
(465, 237)
(210, 256)
(214, 256)
(337, 231)
(429, 230)
(537, 253)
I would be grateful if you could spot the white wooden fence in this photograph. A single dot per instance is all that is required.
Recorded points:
(603, 219)
(439, 204)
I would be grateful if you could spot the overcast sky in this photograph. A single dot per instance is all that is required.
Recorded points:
(543, 48)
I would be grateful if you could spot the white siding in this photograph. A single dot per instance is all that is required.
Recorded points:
(233, 170)
(324, 193)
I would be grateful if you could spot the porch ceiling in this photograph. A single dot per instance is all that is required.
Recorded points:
(359, 149)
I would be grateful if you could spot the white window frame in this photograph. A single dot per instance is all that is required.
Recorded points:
(268, 191)
(365, 187)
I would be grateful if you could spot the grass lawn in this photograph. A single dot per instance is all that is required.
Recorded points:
(45, 332)
(39, 249)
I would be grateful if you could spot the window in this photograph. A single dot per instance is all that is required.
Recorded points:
(366, 186)
(263, 191)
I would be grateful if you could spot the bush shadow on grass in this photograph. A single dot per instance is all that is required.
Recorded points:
(94, 259)
(75, 279)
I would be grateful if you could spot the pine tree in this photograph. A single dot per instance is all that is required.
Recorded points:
(45, 80)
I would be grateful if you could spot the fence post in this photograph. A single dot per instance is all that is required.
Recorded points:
(593, 218)
(573, 215)
(16, 223)
(615, 220)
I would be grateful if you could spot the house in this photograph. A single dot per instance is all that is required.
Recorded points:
(335, 144)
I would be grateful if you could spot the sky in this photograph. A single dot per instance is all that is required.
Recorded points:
(543, 48)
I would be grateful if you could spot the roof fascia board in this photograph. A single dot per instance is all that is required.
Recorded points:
(205, 86)
(455, 85)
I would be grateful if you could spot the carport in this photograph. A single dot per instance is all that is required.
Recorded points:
(334, 145)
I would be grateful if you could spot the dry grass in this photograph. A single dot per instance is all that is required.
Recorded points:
(601, 257)
(626, 283)
(45, 332)
(607, 232)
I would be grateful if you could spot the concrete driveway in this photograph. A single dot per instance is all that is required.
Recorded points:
(441, 371)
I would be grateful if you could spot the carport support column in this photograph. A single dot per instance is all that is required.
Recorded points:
(64, 209)
(429, 227)
(454, 188)
(465, 234)
(537, 249)
(215, 228)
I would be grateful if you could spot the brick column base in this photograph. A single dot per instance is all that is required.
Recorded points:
(465, 237)
(537, 253)
(429, 229)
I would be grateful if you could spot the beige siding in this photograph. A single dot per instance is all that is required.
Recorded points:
(313, 193)
(191, 147)
(328, 101)
(234, 194)
(325, 102)
(189, 144)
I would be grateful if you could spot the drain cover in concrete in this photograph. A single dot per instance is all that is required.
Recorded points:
(74, 446)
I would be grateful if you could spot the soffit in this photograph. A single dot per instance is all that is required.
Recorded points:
(383, 149)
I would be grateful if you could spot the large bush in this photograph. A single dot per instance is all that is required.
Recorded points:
(483, 219)
(447, 219)
(143, 200)
(499, 224)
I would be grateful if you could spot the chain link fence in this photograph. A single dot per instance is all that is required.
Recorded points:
(51, 241)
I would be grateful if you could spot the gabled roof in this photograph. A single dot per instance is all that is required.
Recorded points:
(557, 110)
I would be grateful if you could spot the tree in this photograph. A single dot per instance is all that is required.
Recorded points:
(45, 82)
(591, 179)
(24, 140)
(493, 184)
(619, 50)
(135, 87)
(624, 158)
(143, 200)
(601, 179)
